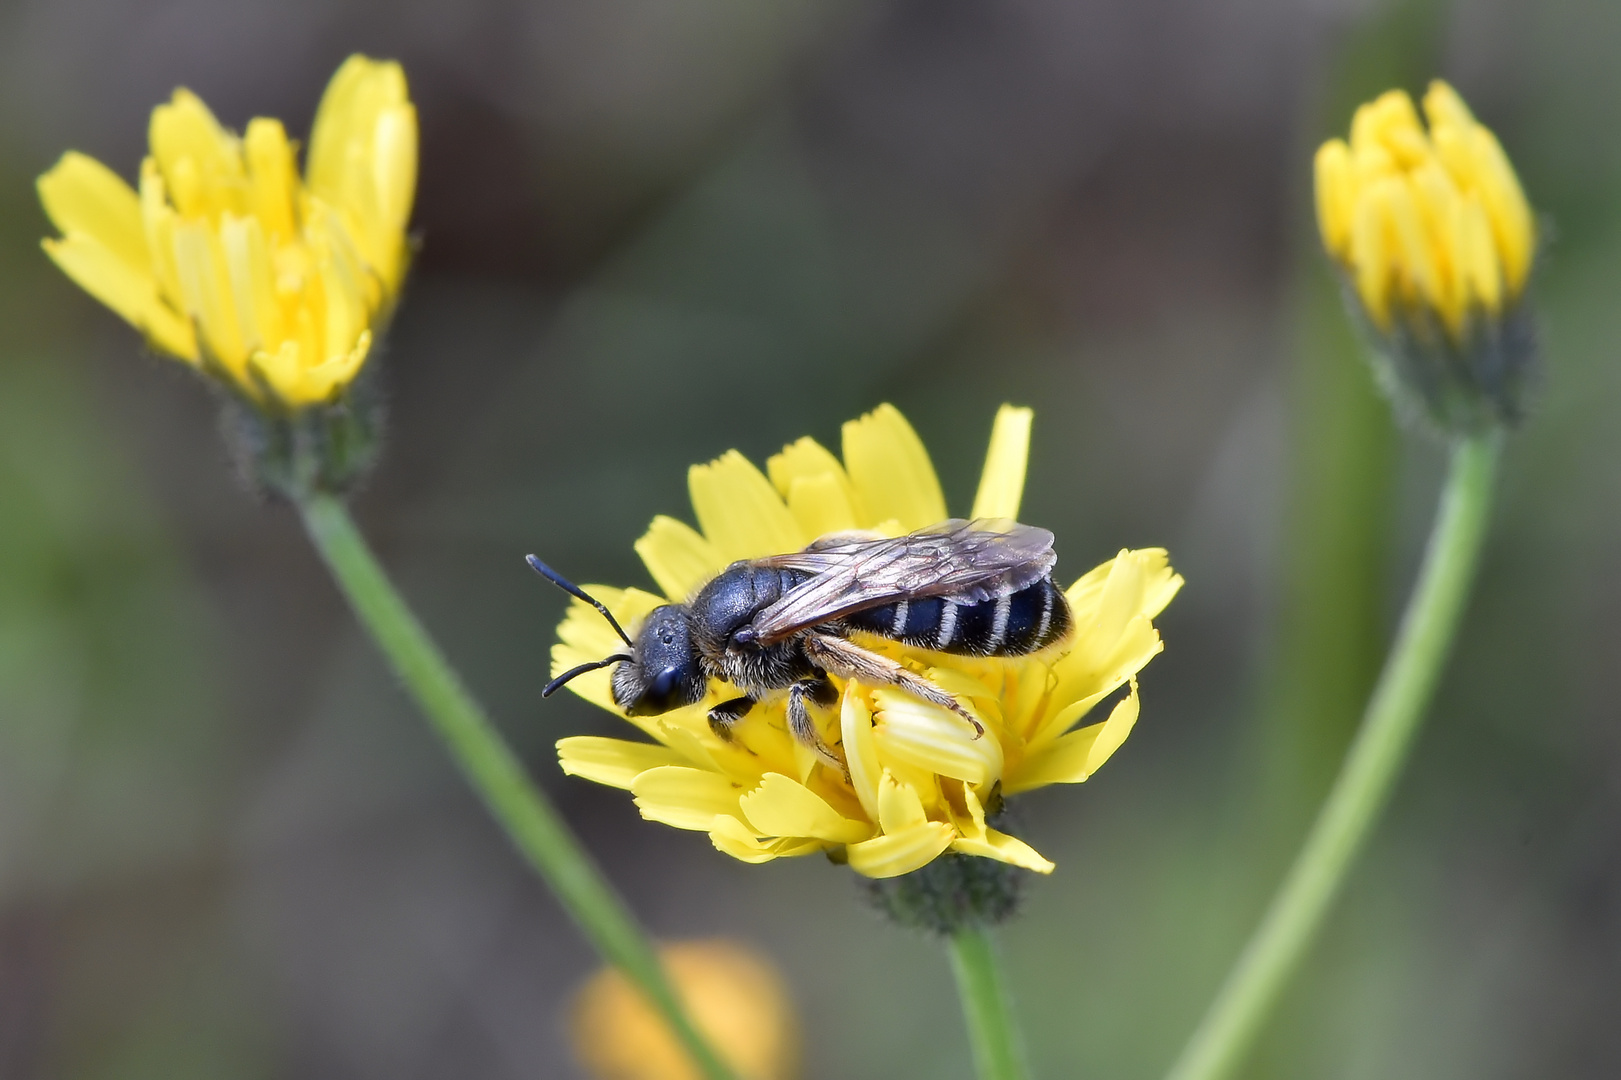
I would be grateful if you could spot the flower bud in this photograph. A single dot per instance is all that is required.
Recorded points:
(1436, 245)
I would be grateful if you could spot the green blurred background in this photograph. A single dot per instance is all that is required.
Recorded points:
(654, 231)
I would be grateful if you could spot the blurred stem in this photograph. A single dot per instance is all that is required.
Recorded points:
(533, 825)
(998, 1054)
(1367, 776)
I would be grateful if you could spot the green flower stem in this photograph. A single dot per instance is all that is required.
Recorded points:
(1367, 776)
(998, 1053)
(531, 822)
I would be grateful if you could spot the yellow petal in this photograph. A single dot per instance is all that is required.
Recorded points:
(205, 287)
(1158, 585)
(340, 119)
(739, 511)
(899, 807)
(615, 762)
(272, 175)
(685, 798)
(362, 159)
(1093, 671)
(891, 471)
(821, 505)
(731, 837)
(326, 380)
(803, 457)
(395, 165)
(200, 160)
(1371, 250)
(1122, 598)
(1388, 121)
(1336, 194)
(734, 838)
(899, 853)
(1004, 848)
(132, 295)
(81, 195)
(158, 222)
(784, 807)
(679, 559)
(1510, 214)
(1413, 243)
(1076, 756)
(1442, 105)
(1001, 484)
(279, 372)
(248, 271)
(860, 749)
(1160, 582)
(931, 738)
(1481, 270)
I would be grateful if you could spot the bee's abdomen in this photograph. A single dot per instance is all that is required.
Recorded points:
(1011, 625)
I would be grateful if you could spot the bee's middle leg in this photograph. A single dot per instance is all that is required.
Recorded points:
(822, 692)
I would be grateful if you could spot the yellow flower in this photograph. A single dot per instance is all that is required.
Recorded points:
(734, 995)
(230, 261)
(1425, 221)
(919, 782)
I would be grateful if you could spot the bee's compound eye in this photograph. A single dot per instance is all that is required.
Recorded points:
(663, 684)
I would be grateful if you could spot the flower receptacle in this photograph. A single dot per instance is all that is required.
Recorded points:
(328, 448)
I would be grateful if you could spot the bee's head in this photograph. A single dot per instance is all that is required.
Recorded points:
(660, 669)
(662, 672)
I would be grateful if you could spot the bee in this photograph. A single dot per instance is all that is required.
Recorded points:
(785, 623)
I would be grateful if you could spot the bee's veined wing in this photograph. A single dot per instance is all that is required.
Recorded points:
(969, 561)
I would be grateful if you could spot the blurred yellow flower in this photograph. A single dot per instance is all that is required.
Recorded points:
(919, 783)
(734, 995)
(1425, 223)
(230, 261)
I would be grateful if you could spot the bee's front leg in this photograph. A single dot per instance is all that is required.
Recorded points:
(723, 717)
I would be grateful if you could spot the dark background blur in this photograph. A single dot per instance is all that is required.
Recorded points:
(654, 231)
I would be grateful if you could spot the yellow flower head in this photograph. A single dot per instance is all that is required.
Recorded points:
(229, 260)
(1425, 219)
(734, 996)
(919, 782)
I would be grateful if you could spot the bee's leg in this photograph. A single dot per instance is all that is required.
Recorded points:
(800, 724)
(850, 661)
(724, 716)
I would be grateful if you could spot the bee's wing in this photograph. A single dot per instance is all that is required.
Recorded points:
(967, 560)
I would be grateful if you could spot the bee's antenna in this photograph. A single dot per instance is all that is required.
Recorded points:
(574, 590)
(552, 686)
